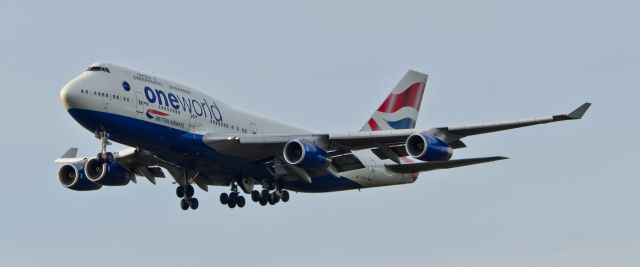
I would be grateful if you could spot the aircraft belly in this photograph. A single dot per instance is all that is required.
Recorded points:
(170, 142)
(320, 184)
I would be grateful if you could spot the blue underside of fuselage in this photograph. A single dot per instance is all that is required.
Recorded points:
(177, 144)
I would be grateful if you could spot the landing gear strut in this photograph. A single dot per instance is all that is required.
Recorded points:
(104, 156)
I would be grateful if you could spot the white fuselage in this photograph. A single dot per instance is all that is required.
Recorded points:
(145, 111)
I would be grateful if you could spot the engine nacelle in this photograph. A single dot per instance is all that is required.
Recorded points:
(107, 173)
(72, 176)
(428, 148)
(306, 155)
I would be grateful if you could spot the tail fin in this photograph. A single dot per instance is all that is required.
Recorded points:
(400, 109)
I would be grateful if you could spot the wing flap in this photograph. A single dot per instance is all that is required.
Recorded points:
(346, 162)
(436, 165)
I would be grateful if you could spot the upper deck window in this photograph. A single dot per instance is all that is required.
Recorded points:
(98, 68)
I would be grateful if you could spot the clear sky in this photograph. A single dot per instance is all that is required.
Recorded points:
(567, 197)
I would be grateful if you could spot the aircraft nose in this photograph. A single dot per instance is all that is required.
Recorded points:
(69, 95)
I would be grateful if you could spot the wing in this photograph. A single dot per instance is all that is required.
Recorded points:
(387, 144)
(258, 147)
(463, 131)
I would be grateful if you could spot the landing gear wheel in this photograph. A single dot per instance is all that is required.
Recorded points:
(184, 204)
(180, 192)
(189, 191)
(275, 198)
(240, 201)
(285, 196)
(193, 203)
(224, 198)
(233, 200)
(271, 201)
(264, 195)
(255, 196)
(232, 203)
(263, 202)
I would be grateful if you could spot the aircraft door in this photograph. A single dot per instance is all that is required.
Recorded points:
(192, 122)
(139, 105)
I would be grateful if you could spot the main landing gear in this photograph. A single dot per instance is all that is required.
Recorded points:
(186, 193)
(264, 197)
(233, 199)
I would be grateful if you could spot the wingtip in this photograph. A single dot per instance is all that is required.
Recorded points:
(580, 111)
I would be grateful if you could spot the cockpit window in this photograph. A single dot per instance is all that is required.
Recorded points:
(98, 68)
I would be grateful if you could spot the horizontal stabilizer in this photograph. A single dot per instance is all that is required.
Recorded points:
(436, 165)
(71, 153)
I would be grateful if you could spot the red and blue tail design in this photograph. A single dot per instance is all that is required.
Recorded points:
(400, 109)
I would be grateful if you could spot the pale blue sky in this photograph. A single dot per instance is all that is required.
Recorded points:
(567, 197)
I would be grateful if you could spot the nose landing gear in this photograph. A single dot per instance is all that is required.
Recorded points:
(104, 156)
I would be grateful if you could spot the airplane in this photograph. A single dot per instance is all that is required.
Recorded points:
(199, 140)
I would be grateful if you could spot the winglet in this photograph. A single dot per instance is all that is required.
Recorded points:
(71, 153)
(579, 112)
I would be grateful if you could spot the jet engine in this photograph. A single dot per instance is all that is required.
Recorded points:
(427, 148)
(72, 176)
(107, 173)
(306, 155)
